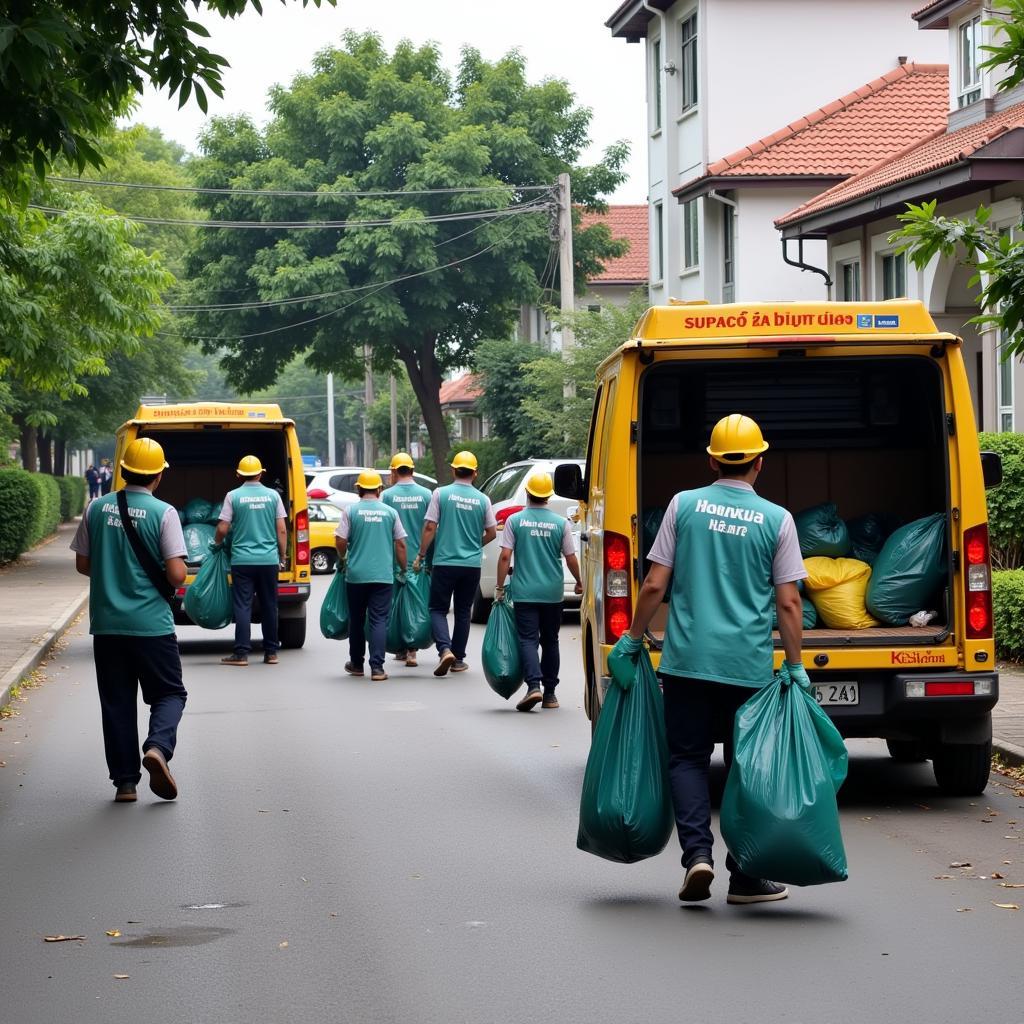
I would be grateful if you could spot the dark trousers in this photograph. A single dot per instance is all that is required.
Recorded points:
(368, 601)
(537, 625)
(123, 664)
(261, 580)
(449, 584)
(695, 711)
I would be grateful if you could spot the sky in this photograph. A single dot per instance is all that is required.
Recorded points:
(559, 39)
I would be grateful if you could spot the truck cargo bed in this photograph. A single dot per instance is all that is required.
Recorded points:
(877, 636)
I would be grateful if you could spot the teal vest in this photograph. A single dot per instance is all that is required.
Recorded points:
(719, 619)
(122, 601)
(410, 501)
(460, 526)
(371, 542)
(254, 525)
(537, 575)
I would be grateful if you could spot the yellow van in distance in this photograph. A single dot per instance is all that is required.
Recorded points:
(866, 406)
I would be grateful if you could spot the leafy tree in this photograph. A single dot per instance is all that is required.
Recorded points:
(502, 365)
(997, 258)
(421, 292)
(69, 67)
(408, 410)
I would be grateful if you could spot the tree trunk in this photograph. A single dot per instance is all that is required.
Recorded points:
(45, 452)
(28, 447)
(60, 456)
(425, 377)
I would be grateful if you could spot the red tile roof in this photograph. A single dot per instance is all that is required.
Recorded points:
(927, 6)
(629, 222)
(928, 154)
(466, 388)
(849, 134)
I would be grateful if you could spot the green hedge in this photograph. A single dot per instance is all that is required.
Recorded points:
(1006, 502)
(48, 512)
(72, 496)
(20, 504)
(1008, 607)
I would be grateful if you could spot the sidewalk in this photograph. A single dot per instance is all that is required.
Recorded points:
(1008, 716)
(40, 596)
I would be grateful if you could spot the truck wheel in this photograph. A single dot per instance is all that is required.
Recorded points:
(962, 769)
(322, 561)
(292, 632)
(907, 751)
(481, 608)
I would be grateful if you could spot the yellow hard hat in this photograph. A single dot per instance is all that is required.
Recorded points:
(402, 459)
(369, 480)
(249, 466)
(539, 485)
(144, 456)
(736, 440)
(464, 460)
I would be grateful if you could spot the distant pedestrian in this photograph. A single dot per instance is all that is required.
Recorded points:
(410, 500)
(371, 542)
(255, 517)
(462, 520)
(130, 620)
(92, 479)
(540, 538)
(106, 476)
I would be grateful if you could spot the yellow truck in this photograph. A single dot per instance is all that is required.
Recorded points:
(203, 443)
(865, 405)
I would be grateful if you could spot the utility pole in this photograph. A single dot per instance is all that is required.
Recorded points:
(394, 414)
(565, 264)
(369, 455)
(331, 451)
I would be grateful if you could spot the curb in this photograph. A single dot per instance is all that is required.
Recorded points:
(25, 664)
(1011, 753)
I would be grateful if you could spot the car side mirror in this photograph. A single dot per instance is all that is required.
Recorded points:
(568, 481)
(991, 469)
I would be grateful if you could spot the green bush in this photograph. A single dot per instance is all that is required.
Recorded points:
(1006, 502)
(1008, 609)
(20, 503)
(72, 496)
(48, 514)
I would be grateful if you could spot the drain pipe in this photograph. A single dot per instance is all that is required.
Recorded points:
(800, 265)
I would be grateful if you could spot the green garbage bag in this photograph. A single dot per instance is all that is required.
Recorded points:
(208, 601)
(822, 533)
(867, 536)
(779, 814)
(503, 664)
(910, 569)
(810, 612)
(198, 540)
(198, 510)
(409, 619)
(334, 610)
(626, 806)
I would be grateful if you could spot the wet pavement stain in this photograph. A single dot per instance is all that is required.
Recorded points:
(212, 906)
(170, 938)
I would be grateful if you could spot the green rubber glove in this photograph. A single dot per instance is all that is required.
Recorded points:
(622, 661)
(796, 673)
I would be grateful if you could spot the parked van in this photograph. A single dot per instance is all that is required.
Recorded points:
(865, 405)
(203, 443)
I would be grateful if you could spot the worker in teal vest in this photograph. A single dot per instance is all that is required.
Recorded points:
(724, 549)
(133, 640)
(462, 521)
(370, 540)
(409, 499)
(255, 516)
(540, 538)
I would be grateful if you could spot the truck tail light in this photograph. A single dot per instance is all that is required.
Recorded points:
(302, 537)
(503, 513)
(618, 599)
(977, 583)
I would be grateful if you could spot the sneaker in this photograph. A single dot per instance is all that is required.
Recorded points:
(161, 781)
(755, 890)
(446, 662)
(460, 666)
(126, 793)
(410, 660)
(239, 660)
(377, 675)
(550, 700)
(530, 701)
(270, 659)
(697, 883)
(352, 670)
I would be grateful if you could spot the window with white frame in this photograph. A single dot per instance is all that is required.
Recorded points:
(656, 85)
(728, 253)
(659, 241)
(894, 275)
(850, 273)
(688, 62)
(1005, 388)
(968, 59)
(691, 239)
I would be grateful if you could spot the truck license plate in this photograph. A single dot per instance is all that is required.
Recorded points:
(831, 694)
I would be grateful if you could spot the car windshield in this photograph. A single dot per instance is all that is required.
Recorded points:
(504, 483)
(322, 512)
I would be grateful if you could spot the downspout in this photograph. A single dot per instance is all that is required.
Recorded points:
(663, 114)
(800, 265)
(726, 201)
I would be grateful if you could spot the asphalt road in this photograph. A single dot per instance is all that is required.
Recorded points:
(405, 852)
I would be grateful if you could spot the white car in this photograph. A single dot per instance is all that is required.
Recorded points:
(337, 484)
(507, 491)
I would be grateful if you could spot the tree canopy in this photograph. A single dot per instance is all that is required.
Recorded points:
(430, 249)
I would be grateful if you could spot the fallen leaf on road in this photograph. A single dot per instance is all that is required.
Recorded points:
(987, 821)
(960, 864)
(1006, 906)
(64, 938)
(262, 810)
(332, 914)
(964, 910)
(114, 933)
(121, 977)
(995, 874)
(282, 945)
(1010, 885)
(943, 878)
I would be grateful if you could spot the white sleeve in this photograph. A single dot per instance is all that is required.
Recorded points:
(568, 547)
(434, 508)
(172, 539)
(80, 542)
(788, 564)
(508, 535)
(281, 514)
(226, 511)
(663, 550)
(398, 530)
(342, 527)
(489, 519)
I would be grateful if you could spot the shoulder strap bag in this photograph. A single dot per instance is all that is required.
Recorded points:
(145, 559)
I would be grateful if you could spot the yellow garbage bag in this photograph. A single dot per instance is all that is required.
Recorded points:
(838, 589)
